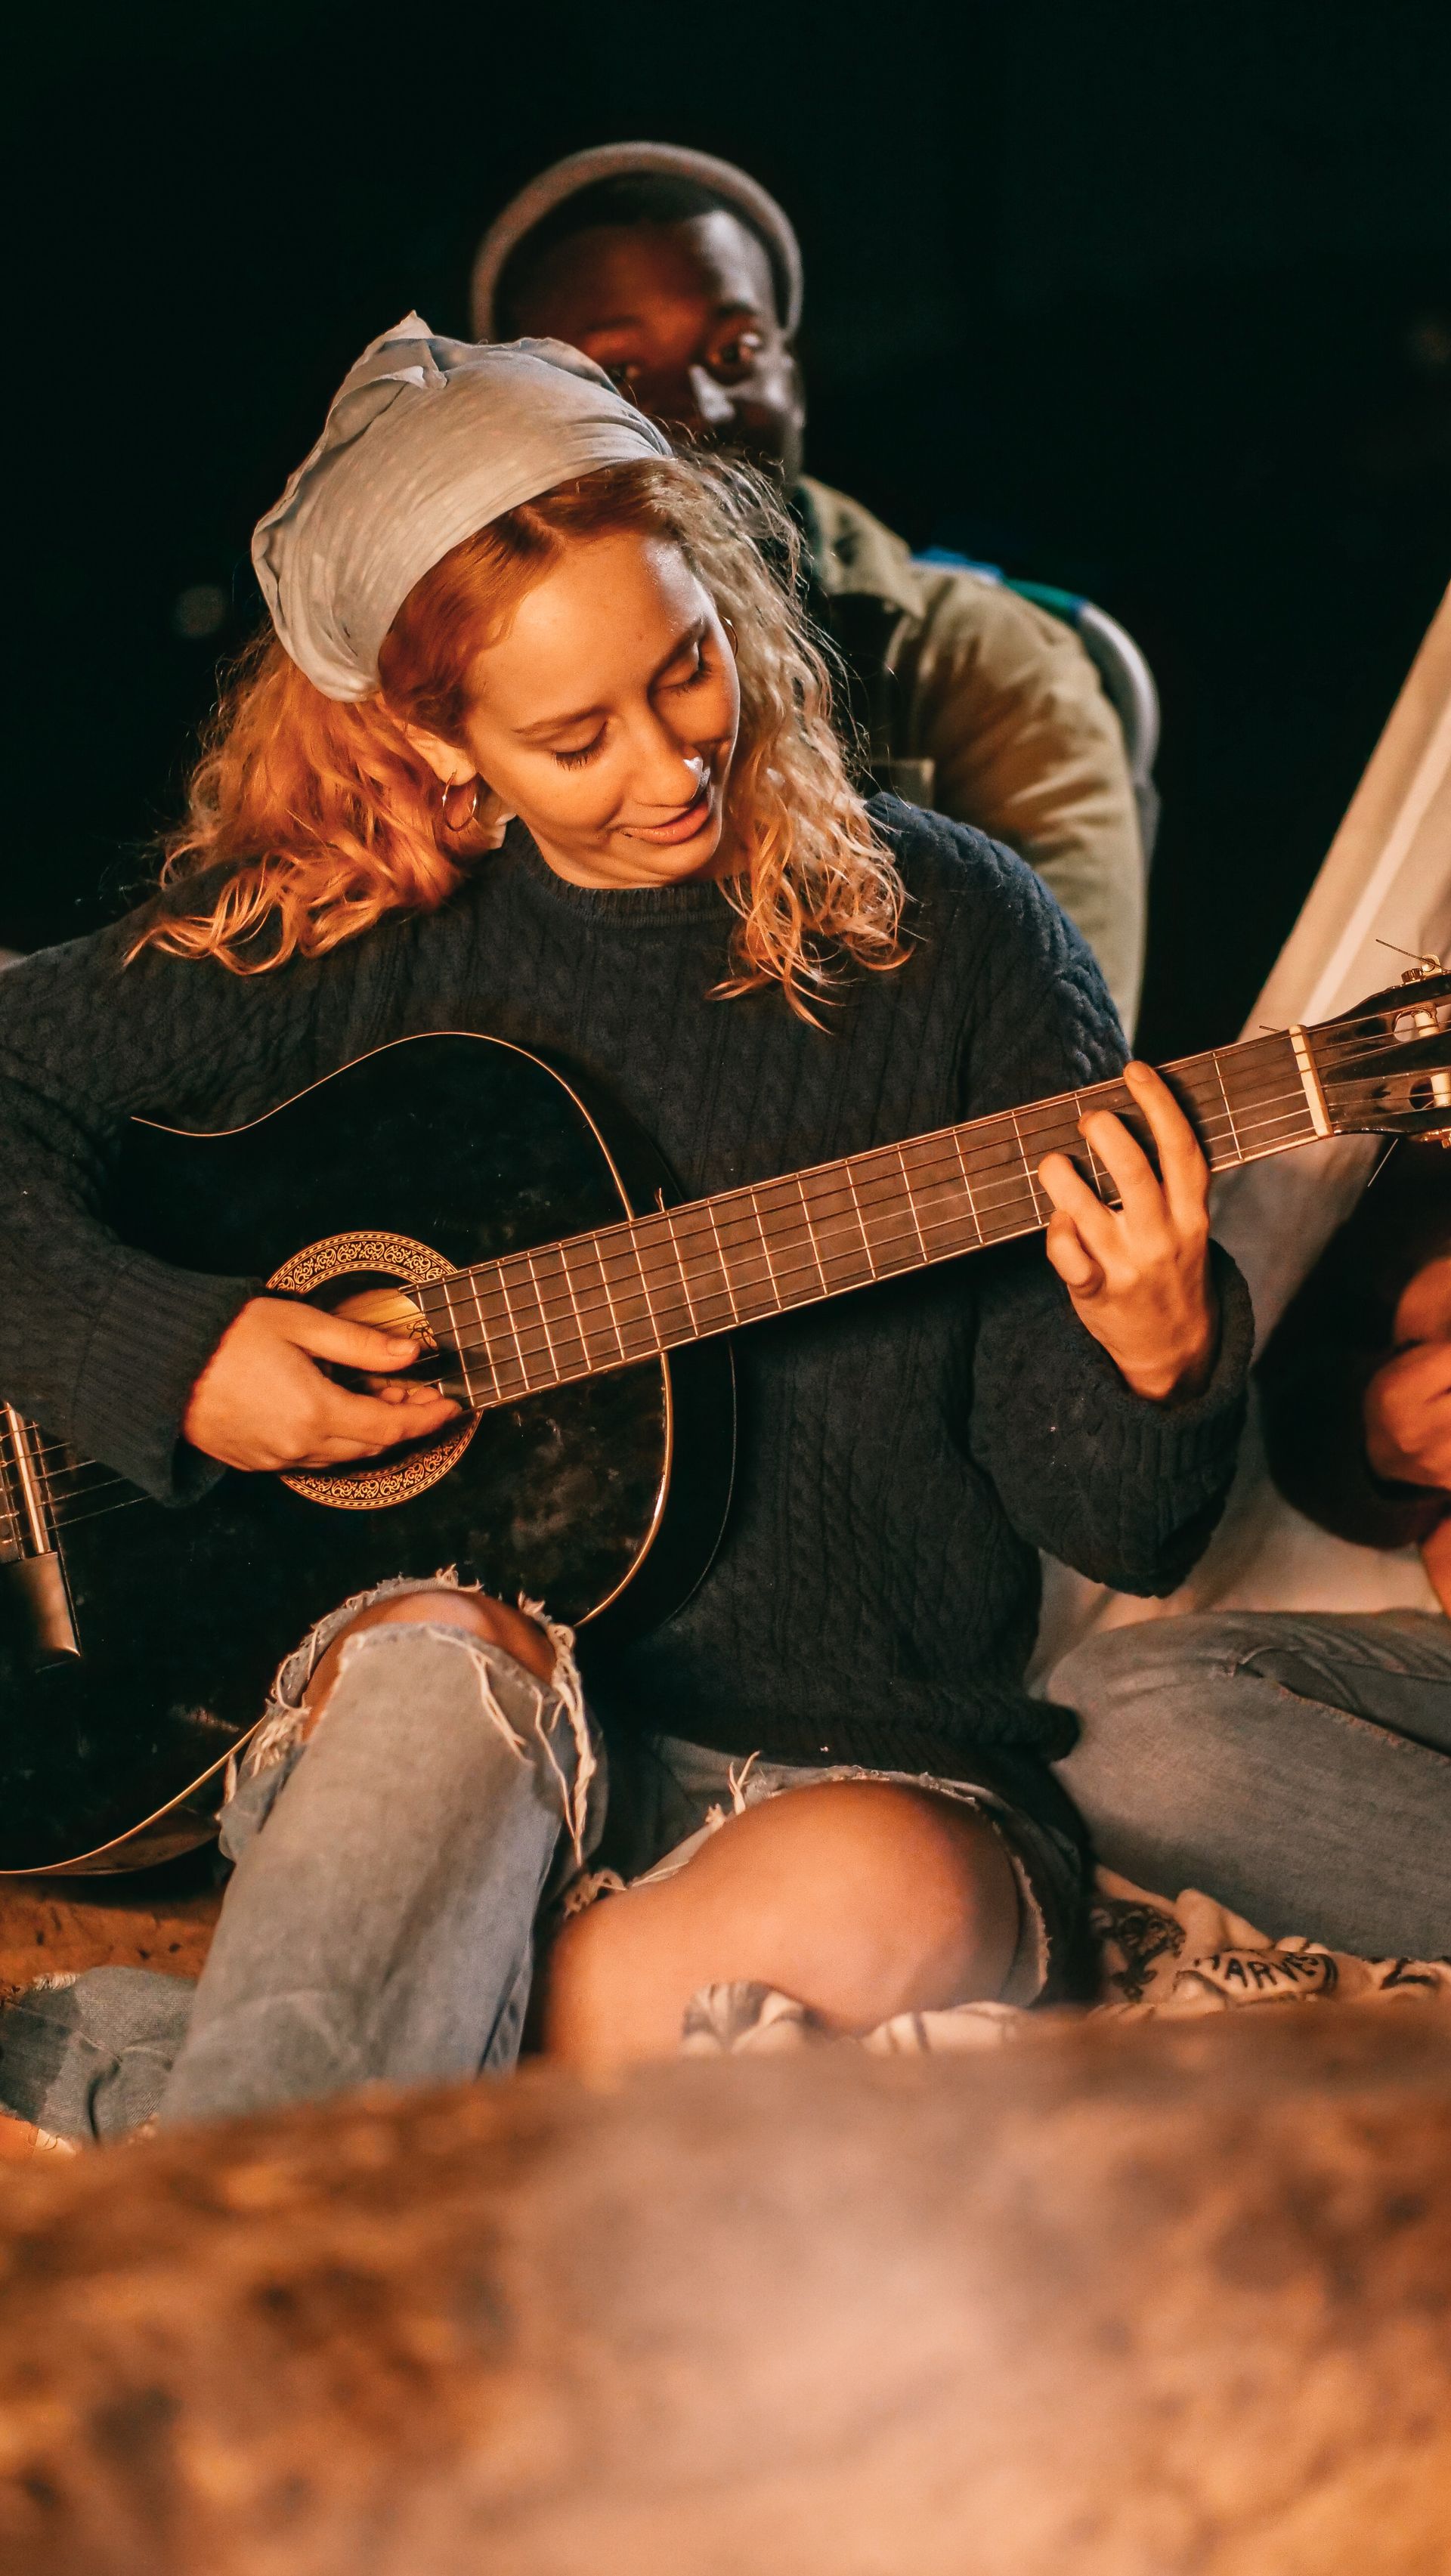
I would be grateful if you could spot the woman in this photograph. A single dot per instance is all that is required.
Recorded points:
(541, 748)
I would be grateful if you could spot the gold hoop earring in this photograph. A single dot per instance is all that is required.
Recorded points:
(456, 818)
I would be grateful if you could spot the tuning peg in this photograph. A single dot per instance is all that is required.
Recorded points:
(1420, 966)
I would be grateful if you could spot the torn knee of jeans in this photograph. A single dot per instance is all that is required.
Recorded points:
(568, 1691)
(287, 1721)
(284, 1719)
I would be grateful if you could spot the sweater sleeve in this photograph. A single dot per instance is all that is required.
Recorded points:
(1125, 1490)
(99, 1342)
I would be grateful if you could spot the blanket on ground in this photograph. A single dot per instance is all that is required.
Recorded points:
(1158, 1955)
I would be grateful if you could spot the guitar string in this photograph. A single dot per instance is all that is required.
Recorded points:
(1036, 1114)
(1021, 1188)
(1253, 1121)
(1339, 1044)
(1214, 1132)
(885, 1245)
(1018, 1183)
(804, 1222)
(1014, 1176)
(824, 1231)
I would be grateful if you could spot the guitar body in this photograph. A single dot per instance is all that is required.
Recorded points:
(459, 1188)
(431, 1154)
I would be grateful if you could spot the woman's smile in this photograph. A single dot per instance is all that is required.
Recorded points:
(681, 826)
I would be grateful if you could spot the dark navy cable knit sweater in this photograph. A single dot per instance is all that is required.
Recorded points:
(904, 1449)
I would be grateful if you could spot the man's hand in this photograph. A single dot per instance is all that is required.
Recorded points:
(262, 1403)
(1138, 1275)
(1408, 1417)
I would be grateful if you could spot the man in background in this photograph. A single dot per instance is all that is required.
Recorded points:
(681, 277)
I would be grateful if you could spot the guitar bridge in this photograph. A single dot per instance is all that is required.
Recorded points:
(36, 1571)
(39, 1584)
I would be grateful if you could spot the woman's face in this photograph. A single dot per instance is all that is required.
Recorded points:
(605, 715)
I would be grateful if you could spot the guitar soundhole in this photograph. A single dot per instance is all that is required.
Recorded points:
(363, 1275)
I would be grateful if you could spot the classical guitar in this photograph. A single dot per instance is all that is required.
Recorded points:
(465, 1191)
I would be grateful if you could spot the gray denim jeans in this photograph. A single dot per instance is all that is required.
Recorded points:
(1298, 1767)
(389, 1875)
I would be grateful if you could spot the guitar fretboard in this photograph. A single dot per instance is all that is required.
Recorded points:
(599, 1301)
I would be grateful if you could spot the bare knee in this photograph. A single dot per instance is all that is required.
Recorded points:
(441, 1606)
(880, 1898)
(860, 1899)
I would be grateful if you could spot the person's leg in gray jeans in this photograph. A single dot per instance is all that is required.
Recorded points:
(1297, 1767)
(380, 1920)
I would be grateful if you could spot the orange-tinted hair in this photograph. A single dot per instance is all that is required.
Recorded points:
(328, 820)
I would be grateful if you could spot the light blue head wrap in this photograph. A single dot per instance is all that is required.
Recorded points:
(425, 441)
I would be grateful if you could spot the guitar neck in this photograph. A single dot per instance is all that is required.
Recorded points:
(630, 1291)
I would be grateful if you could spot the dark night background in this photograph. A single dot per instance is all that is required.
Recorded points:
(1147, 300)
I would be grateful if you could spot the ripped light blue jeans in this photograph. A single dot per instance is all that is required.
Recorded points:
(390, 1871)
(377, 1923)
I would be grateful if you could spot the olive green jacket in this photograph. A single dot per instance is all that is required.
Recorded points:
(1004, 703)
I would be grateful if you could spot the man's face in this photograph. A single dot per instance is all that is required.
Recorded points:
(683, 317)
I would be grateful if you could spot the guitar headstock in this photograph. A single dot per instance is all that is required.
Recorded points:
(1384, 1068)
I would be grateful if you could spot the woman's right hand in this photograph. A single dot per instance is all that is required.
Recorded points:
(262, 1402)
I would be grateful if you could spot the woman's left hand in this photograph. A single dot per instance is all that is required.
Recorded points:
(1138, 1274)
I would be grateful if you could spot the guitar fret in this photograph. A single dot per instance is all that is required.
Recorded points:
(831, 1213)
(708, 1286)
(911, 1200)
(568, 1348)
(655, 1233)
(1100, 1179)
(910, 1241)
(810, 1234)
(1224, 1096)
(1031, 1177)
(770, 1278)
(940, 1204)
(861, 1221)
(593, 1274)
(1000, 1183)
(447, 1286)
(869, 1207)
(499, 1358)
(579, 1326)
(966, 1183)
(745, 1262)
(634, 1316)
(521, 1356)
(615, 1323)
(724, 1266)
(534, 1283)
(678, 1256)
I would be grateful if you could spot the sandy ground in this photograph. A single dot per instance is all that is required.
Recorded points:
(160, 1918)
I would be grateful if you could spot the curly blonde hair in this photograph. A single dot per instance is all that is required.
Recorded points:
(329, 820)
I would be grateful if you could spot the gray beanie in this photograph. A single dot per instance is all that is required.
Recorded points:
(565, 179)
(425, 441)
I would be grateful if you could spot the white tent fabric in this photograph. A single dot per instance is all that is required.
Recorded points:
(1386, 879)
